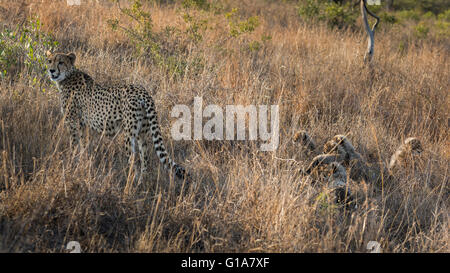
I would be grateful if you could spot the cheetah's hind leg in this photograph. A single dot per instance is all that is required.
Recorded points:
(131, 151)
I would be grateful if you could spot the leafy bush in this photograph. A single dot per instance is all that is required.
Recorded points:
(443, 29)
(239, 27)
(309, 9)
(148, 43)
(388, 18)
(196, 27)
(334, 14)
(24, 50)
(429, 15)
(445, 16)
(423, 19)
(339, 16)
(198, 4)
(409, 14)
(141, 34)
(167, 48)
(421, 30)
(435, 6)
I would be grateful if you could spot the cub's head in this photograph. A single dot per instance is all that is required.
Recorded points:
(59, 65)
(414, 145)
(304, 139)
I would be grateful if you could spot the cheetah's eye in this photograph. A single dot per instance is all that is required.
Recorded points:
(60, 63)
(49, 61)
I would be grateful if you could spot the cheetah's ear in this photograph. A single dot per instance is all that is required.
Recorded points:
(48, 53)
(72, 58)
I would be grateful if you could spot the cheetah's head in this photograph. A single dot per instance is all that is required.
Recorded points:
(59, 65)
(414, 145)
(303, 138)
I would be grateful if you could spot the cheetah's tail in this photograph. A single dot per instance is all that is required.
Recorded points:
(158, 144)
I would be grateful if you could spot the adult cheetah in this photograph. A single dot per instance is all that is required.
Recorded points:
(108, 109)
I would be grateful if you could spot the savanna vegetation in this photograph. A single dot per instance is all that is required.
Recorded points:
(304, 56)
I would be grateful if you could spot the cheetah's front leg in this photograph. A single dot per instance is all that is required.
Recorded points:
(75, 128)
(75, 131)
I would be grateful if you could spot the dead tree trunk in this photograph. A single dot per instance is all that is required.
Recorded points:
(389, 4)
(370, 31)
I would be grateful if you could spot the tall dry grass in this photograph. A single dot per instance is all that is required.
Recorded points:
(241, 199)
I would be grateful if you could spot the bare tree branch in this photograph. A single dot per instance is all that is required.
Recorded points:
(370, 31)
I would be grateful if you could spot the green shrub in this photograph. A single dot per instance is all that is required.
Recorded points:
(196, 27)
(442, 29)
(388, 18)
(429, 15)
(309, 9)
(239, 27)
(141, 34)
(421, 30)
(435, 6)
(197, 4)
(409, 15)
(9, 51)
(445, 16)
(335, 15)
(339, 16)
(167, 48)
(148, 43)
(24, 50)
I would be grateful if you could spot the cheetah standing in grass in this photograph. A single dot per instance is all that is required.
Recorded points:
(108, 109)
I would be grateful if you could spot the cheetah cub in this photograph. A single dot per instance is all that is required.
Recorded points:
(338, 181)
(321, 161)
(305, 140)
(335, 174)
(340, 146)
(405, 154)
(108, 109)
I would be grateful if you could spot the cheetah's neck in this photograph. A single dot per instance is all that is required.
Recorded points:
(75, 81)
